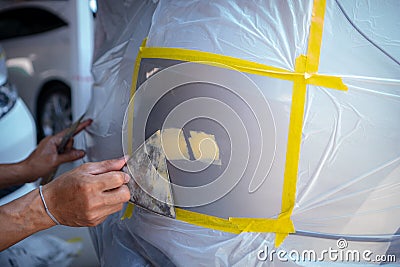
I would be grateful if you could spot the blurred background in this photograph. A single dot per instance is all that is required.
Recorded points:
(45, 61)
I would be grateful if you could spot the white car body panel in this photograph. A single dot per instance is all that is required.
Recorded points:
(63, 54)
(19, 140)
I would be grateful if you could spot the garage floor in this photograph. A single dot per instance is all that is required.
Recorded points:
(88, 256)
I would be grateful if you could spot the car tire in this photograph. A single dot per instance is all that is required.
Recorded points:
(54, 112)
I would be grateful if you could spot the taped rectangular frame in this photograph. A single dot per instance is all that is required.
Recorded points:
(305, 73)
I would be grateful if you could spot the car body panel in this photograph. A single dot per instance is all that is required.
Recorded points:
(60, 55)
(30, 67)
(17, 134)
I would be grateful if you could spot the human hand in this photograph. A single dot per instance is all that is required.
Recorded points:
(45, 159)
(86, 195)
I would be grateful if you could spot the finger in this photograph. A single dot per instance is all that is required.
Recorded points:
(70, 155)
(83, 125)
(105, 166)
(111, 180)
(79, 128)
(50, 141)
(117, 196)
(69, 146)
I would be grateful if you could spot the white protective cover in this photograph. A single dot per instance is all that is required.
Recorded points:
(349, 171)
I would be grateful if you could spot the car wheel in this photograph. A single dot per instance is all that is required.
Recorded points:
(54, 110)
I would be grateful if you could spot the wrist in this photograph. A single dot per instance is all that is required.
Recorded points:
(28, 214)
(12, 174)
(26, 171)
(40, 219)
(45, 206)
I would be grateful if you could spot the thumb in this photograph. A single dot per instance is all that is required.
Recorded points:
(71, 155)
(107, 166)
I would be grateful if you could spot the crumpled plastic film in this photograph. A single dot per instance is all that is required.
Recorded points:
(349, 159)
(225, 26)
(116, 46)
(41, 250)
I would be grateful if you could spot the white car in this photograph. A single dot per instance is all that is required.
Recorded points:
(49, 50)
(18, 140)
(18, 131)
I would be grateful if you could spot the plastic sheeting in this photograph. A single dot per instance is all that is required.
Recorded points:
(44, 250)
(349, 167)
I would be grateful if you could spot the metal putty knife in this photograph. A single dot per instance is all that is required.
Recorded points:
(150, 185)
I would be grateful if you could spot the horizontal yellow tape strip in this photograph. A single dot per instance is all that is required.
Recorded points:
(242, 65)
(282, 225)
(207, 221)
(264, 225)
(196, 56)
(236, 225)
(327, 81)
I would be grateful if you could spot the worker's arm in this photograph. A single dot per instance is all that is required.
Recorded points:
(42, 161)
(84, 196)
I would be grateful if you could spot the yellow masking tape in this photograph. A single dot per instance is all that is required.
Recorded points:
(210, 58)
(241, 65)
(263, 225)
(128, 211)
(206, 221)
(306, 68)
(137, 67)
(307, 65)
(75, 240)
(129, 208)
(294, 140)
(327, 81)
(315, 36)
(293, 148)
(236, 225)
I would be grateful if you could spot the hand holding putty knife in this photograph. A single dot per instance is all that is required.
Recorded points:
(65, 142)
(150, 185)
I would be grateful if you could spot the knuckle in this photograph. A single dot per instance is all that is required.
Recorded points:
(127, 176)
(85, 189)
(125, 193)
(102, 184)
(106, 164)
(86, 166)
(121, 177)
(87, 204)
(89, 201)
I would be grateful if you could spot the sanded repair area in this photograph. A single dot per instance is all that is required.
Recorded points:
(150, 187)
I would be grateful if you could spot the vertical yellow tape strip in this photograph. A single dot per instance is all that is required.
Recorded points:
(293, 148)
(304, 64)
(315, 37)
(129, 208)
